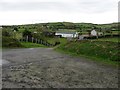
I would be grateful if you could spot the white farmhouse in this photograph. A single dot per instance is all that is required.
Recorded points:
(66, 34)
(93, 33)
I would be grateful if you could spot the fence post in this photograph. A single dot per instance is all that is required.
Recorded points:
(41, 42)
(32, 39)
(36, 40)
(26, 38)
(45, 43)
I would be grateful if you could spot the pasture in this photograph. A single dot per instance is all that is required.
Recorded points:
(114, 39)
(102, 50)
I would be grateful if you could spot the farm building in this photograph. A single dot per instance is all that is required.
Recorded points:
(67, 34)
(93, 33)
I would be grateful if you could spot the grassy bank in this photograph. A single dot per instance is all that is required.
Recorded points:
(31, 45)
(50, 40)
(9, 42)
(115, 39)
(103, 51)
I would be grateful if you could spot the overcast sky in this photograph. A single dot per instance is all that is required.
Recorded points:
(14, 12)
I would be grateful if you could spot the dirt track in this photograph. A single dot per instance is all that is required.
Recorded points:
(46, 68)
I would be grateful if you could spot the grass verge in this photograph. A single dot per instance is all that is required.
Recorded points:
(105, 52)
(31, 45)
(9, 42)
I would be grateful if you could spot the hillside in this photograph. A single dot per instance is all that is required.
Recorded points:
(66, 25)
(101, 50)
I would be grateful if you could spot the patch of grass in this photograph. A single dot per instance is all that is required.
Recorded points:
(53, 40)
(116, 32)
(62, 42)
(31, 45)
(106, 52)
(108, 39)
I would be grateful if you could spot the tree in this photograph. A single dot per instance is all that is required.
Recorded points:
(26, 33)
(15, 29)
(89, 32)
(5, 33)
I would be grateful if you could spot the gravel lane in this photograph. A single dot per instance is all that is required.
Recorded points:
(46, 68)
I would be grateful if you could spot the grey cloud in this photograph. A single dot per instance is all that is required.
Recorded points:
(97, 6)
(26, 6)
(93, 6)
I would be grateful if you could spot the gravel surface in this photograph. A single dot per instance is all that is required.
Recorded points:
(46, 68)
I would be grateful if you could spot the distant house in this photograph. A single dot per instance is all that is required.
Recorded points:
(67, 34)
(94, 33)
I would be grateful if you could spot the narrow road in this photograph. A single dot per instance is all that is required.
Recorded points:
(46, 68)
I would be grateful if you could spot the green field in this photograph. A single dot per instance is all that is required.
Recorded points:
(108, 39)
(53, 40)
(101, 51)
(31, 45)
(9, 42)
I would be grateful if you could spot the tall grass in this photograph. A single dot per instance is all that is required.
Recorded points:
(115, 39)
(105, 51)
(31, 45)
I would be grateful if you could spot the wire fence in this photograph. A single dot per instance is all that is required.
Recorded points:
(38, 41)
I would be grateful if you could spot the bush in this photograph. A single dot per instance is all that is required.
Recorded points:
(27, 33)
(10, 42)
(5, 33)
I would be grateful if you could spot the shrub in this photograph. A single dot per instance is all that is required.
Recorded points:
(5, 33)
(10, 42)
